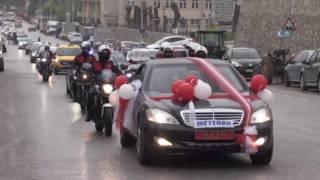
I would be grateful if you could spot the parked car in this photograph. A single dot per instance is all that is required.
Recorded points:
(175, 40)
(75, 38)
(32, 28)
(246, 60)
(65, 55)
(162, 126)
(310, 77)
(293, 70)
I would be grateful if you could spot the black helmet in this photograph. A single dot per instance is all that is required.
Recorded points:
(47, 48)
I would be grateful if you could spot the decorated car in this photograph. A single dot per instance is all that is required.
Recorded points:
(187, 105)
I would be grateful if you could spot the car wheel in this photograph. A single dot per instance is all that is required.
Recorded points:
(144, 153)
(127, 140)
(263, 157)
(302, 83)
(107, 119)
(286, 80)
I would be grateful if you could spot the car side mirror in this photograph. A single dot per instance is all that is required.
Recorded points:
(124, 67)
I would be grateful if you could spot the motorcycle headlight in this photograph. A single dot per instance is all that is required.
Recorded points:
(43, 60)
(84, 76)
(236, 64)
(33, 54)
(160, 117)
(107, 88)
(261, 116)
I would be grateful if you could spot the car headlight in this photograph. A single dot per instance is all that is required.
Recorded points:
(107, 88)
(84, 76)
(44, 60)
(236, 64)
(261, 116)
(56, 60)
(160, 117)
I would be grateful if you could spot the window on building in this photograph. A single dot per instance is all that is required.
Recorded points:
(195, 4)
(194, 21)
(183, 3)
(208, 4)
(156, 3)
(168, 3)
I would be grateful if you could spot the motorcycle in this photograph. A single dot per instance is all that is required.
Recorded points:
(103, 110)
(45, 68)
(82, 84)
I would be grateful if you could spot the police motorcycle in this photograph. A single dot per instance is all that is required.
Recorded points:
(83, 82)
(45, 68)
(103, 111)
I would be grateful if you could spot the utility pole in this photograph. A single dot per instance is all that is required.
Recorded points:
(95, 12)
(51, 10)
(141, 11)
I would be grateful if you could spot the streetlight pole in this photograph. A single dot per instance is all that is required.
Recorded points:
(141, 11)
(51, 10)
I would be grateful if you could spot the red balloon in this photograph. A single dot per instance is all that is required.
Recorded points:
(258, 83)
(120, 80)
(192, 79)
(185, 92)
(175, 85)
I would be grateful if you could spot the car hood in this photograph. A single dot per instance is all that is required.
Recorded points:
(247, 61)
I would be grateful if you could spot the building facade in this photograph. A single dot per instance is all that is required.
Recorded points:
(91, 12)
(168, 15)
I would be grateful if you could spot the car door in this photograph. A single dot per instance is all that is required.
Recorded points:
(307, 68)
(294, 69)
(315, 70)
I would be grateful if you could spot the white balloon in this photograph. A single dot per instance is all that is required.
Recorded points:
(114, 98)
(202, 90)
(266, 95)
(126, 92)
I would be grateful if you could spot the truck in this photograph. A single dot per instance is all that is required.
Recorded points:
(51, 27)
(213, 41)
(66, 29)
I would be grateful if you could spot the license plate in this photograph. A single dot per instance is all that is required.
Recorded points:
(215, 135)
(249, 70)
(213, 124)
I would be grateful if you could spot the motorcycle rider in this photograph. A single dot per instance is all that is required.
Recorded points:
(46, 53)
(85, 56)
(104, 63)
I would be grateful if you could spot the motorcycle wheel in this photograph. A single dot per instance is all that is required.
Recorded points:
(99, 126)
(107, 118)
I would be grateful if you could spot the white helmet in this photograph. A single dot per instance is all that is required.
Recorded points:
(85, 44)
(103, 47)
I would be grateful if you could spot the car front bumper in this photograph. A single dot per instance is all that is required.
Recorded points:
(184, 141)
(249, 71)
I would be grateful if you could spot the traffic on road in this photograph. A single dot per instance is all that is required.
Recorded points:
(177, 108)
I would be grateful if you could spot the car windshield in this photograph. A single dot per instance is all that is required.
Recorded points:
(68, 51)
(130, 45)
(76, 35)
(245, 54)
(37, 47)
(163, 76)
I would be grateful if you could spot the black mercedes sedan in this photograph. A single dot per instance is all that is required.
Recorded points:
(162, 126)
(246, 60)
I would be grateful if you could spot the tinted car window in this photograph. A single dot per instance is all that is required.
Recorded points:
(175, 39)
(313, 58)
(318, 58)
(119, 57)
(245, 54)
(163, 76)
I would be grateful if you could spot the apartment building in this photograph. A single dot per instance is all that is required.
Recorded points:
(159, 14)
(91, 12)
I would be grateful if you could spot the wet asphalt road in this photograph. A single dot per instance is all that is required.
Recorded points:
(43, 136)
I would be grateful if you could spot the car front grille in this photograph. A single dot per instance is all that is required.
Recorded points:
(236, 115)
